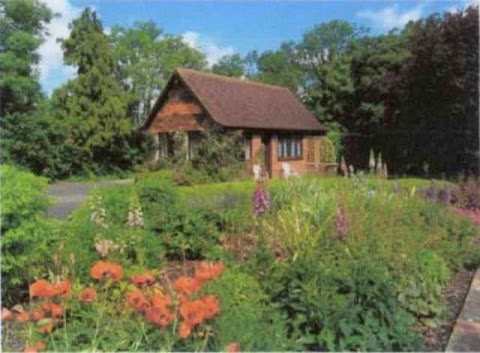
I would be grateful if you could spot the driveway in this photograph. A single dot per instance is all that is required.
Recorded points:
(67, 196)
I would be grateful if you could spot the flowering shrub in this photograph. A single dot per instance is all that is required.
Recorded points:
(179, 310)
(261, 200)
(406, 245)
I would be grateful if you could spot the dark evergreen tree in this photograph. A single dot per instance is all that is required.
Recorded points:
(93, 105)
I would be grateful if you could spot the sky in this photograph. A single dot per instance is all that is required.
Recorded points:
(221, 28)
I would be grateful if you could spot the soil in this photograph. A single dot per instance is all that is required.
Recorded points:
(436, 339)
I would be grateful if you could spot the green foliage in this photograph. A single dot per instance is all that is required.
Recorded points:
(384, 230)
(278, 67)
(247, 317)
(93, 105)
(36, 141)
(218, 152)
(23, 197)
(28, 252)
(28, 240)
(22, 25)
(342, 304)
(229, 65)
(147, 57)
(327, 150)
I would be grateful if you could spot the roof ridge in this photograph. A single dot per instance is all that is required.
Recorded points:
(233, 79)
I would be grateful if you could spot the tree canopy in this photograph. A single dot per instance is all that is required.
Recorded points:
(410, 94)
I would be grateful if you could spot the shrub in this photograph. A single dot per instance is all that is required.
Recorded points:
(247, 317)
(467, 194)
(341, 305)
(29, 251)
(23, 197)
(187, 234)
(416, 243)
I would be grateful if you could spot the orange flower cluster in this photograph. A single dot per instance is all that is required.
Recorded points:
(145, 279)
(207, 271)
(88, 295)
(48, 312)
(161, 310)
(195, 312)
(104, 269)
(155, 309)
(44, 289)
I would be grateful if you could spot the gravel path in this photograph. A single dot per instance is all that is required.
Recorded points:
(67, 196)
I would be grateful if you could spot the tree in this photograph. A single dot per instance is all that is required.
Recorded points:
(147, 57)
(440, 106)
(22, 28)
(230, 65)
(378, 68)
(325, 56)
(93, 105)
(29, 137)
(279, 67)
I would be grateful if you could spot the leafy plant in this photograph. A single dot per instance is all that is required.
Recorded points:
(23, 196)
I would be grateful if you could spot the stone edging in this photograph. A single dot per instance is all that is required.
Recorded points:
(466, 333)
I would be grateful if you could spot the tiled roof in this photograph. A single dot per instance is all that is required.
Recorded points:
(239, 103)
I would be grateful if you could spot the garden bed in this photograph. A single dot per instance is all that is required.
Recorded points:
(436, 339)
(313, 264)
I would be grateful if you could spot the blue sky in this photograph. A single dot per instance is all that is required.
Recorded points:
(226, 27)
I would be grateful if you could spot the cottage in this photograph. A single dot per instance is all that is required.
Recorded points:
(278, 131)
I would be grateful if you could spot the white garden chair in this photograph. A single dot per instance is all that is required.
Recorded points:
(257, 172)
(288, 171)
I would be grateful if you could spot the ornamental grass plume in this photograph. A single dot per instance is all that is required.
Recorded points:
(445, 195)
(341, 223)
(371, 162)
(261, 200)
(135, 213)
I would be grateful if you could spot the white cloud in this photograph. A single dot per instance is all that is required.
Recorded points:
(52, 70)
(462, 5)
(212, 51)
(392, 16)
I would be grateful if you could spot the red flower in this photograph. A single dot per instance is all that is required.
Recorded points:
(38, 315)
(88, 295)
(6, 314)
(144, 279)
(30, 349)
(233, 348)
(137, 301)
(23, 317)
(187, 285)
(54, 309)
(62, 288)
(207, 271)
(184, 330)
(40, 289)
(211, 306)
(103, 269)
(159, 317)
(192, 312)
(161, 301)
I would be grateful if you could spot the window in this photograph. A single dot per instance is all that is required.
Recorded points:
(289, 147)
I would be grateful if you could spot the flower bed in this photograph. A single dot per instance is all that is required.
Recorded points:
(309, 264)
